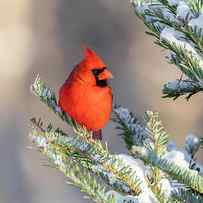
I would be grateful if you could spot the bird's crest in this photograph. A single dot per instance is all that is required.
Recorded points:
(92, 57)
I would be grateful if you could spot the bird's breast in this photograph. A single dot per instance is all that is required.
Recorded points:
(90, 106)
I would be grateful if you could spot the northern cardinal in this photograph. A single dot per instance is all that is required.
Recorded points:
(86, 95)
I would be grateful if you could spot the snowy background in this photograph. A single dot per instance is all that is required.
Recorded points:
(45, 37)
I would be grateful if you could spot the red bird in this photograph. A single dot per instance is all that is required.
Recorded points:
(86, 96)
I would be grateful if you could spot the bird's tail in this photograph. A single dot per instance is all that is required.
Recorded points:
(97, 135)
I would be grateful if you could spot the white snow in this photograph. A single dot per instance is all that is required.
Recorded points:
(179, 84)
(132, 163)
(121, 198)
(171, 35)
(183, 11)
(140, 172)
(197, 22)
(175, 37)
(141, 198)
(166, 187)
(173, 2)
(167, 14)
(123, 113)
(142, 8)
(144, 198)
(177, 157)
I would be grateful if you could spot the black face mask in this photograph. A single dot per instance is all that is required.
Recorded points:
(96, 72)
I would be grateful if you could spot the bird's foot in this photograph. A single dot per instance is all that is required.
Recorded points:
(97, 135)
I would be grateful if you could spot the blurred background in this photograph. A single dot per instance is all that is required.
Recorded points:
(45, 37)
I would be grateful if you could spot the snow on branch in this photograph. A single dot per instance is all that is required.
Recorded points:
(131, 129)
(127, 178)
(181, 173)
(79, 177)
(121, 177)
(177, 26)
(154, 170)
(176, 88)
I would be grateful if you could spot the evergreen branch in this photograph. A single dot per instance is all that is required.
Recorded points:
(186, 59)
(131, 129)
(79, 156)
(196, 5)
(184, 175)
(166, 3)
(195, 34)
(98, 154)
(84, 143)
(174, 175)
(177, 26)
(177, 88)
(44, 139)
(159, 145)
(48, 97)
(158, 132)
(79, 177)
(186, 195)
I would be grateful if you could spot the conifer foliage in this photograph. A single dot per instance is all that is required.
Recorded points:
(167, 174)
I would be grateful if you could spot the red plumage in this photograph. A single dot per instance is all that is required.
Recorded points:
(86, 96)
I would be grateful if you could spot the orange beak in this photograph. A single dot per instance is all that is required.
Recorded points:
(106, 74)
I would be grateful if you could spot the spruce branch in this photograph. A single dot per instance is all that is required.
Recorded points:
(169, 175)
(119, 172)
(84, 143)
(159, 145)
(51, 135)
(183, 194)
(64, 157)
(184, 175)
(157, 140)
(131, 129)
(177, 88)
(79, 177)
(196, 5)
(160, 136)
(177, 27)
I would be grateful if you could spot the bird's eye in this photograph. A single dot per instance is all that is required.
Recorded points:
(97, 71)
